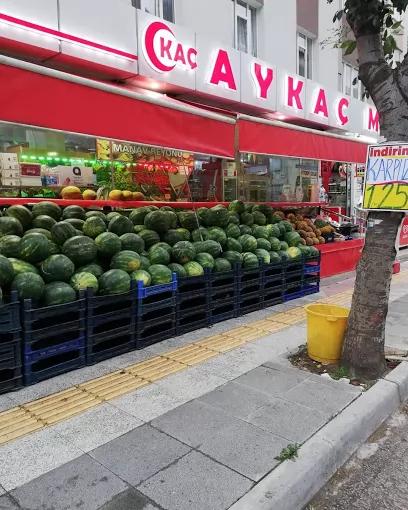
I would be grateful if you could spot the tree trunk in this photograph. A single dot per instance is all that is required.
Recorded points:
(363, 349)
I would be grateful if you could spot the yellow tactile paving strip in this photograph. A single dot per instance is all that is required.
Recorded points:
(27, 418)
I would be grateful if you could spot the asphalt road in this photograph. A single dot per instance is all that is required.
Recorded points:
(376, 477)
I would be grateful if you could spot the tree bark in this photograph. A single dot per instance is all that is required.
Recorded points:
(363, 348)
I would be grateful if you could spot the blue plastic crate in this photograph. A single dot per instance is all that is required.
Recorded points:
(10, 315)
(249, 303)
(10, 351)
(249, 275)
(101, 309)
(273, 271)
(311, 269)
(144, 292)
(294, 265)
(192, 283)
(224, 279)
(33, 353)
(46, 368)
(193, 303)
(311, 288)
(223, 312)
(156, 331)
(10, 380)
(146, 313)
(191, 320)
(109, 344)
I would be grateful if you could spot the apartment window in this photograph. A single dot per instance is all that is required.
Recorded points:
(304, 56)
(161, 8)
(245, 27)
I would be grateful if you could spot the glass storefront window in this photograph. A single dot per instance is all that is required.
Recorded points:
(279, 179)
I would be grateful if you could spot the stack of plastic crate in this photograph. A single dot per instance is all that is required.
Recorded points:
(223, 293)
(193, 304)
(10, 346)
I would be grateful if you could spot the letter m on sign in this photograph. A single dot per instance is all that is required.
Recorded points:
(373, 120)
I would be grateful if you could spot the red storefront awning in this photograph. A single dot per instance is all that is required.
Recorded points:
(42, 97)
(265, 137)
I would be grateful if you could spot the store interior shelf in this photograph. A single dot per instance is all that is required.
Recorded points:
(131, 203)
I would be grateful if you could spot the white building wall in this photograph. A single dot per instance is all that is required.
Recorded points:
(328, 60)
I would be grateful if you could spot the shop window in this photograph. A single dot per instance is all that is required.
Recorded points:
(162, 8)
(352, 86)
(245, 27)
(304, 56)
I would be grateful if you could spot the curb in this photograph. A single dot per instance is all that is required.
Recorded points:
(293, 484)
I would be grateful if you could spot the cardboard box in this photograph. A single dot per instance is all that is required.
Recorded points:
(30, 170)
(10, 182)
(74, 175)
(10, 174)
(31, 181)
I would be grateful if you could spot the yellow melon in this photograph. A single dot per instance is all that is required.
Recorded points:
(71, 193)
(116, 194)
(89, 194)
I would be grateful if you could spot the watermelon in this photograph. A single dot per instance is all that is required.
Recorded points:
(178, 269)
(314, 252)
(94, 226)
(287, 225)
(276, 257)
(76, 223)
(200, 234)
(233, 257)
(144, 262)
(249, 260)
(42, 231)
(47, 209)
(157, 221)
(80, 249)
(273, 230)
(248, 207)
(237, 206)
(185, 233)
(158, 255)
(132, 242)
(222, 265)
(58, 293)
(82, 280)
(61, 232)
(150, 237)
(8, 245)
(188, 220)
(245, 229)
(283, 255)
(54, 248)
(97, 214)
(294, 253)
(264, 209)
(217, 217)
(276, 218)
(233, 245)
(10, 226)
(259, 231)
(172, 237)
(248, 243)
(108, 244)
(283, 246)
(6, 271)
(193, 269)
(92, 268)
(166, 246)
(120, 225)
(160, 274)
(263, 255)
(259, 218)
(201, 212)
(22, 214)
(172, 218)
(74, 212)
(205, 260)
(183, 252)
(57, 268)
(128, 261)
(233, 219)
(152, 208)
(233, 231)
(137, 216)
(217, 234)
(275, 244)
(112, 215)
(211, 247)
(305, 250)
(115, 281)
(28, 286)
(142, 276)
(292, 238)
(247, 219)
(138, 228)
(33, 248)
(263, 244)
(282, 229)
(167, 208)
(44, 221)
(21, 267)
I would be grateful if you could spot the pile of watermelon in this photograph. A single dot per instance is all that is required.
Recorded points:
(49, 253)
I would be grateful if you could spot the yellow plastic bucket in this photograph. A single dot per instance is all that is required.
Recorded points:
(326, 327)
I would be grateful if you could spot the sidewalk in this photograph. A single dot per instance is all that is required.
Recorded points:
(198, 439)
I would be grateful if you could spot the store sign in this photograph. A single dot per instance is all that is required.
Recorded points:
(386, 177)
(403, 237)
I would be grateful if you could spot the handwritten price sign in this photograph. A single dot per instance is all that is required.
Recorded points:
(386, 183)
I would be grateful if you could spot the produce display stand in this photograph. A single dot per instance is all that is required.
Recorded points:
(340, 257)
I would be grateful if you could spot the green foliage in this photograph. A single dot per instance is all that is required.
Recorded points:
(290, 452)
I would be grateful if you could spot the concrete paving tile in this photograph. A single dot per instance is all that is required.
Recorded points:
(139, 454)
(272, 382)
(283, 341)
(235, 399)
(149, 402)
(6, 403)
(193, 423)
(293, 422)
(245, 448)
(40, 390)
(6, 503)
(131, 499)
(82, 483)
(321, 397)
(229, 365)
(96, 427)
(190, 383)
(196, 482)
(2, 491)
(25, 459)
